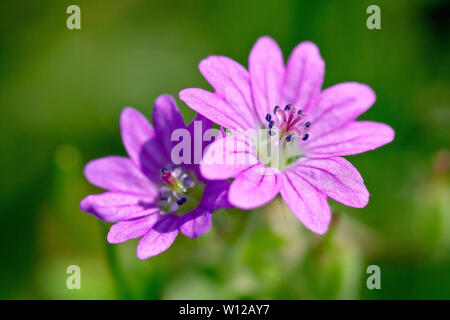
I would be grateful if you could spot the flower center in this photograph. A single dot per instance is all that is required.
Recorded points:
(181, 191)
(288, 122)
(284, 126)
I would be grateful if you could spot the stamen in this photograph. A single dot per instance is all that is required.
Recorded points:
(289, 137)
(275, 109)
(285, 121)
(176, 183)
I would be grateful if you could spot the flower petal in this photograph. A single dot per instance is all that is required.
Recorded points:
(335, 177)
(339, 105)
(198, 130)
(354, 138)
(139, 140)
(131, 229)
(159, 238)
(306, 203)
(116, 206)
(266, 75)
(227, 157)
(215, 195)
(254, 187)
(119, 174)
(196, 223)
(166, 119)
(304, 75)
(231, 81)
(213, 107)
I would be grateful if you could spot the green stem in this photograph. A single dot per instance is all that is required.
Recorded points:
(115, 268)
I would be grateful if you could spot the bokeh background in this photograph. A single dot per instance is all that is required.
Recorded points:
(61, 94)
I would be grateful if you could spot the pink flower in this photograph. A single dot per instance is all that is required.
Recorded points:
(288, 102)
(148, 196)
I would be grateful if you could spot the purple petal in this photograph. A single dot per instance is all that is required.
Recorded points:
(304, 75)
(213, 107)
(196, 223)
(215, 195)
(131, 229)
(266, 75)
(138, 138)
(227, 157)
(254, 188)
(354, 138)
(339, 105)
(306, 203)
(119, 174)
(166, 119)
(231, 81)
(115, 206)
(335, 177)
(197, 129)
(159, 238)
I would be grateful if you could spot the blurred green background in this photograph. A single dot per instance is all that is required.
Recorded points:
(61, 94)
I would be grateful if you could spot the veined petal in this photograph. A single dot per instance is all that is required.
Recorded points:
(254, 187)
(266, 68)
(354, 138)
(159, 238)
(166, 119)
(227, 157)
(215, 195)
(306, 203)
(116, 206)
(335, 177)
(231, 81)
(213, 107)
(304, 75)
(138, 138)
(119, 174)
(196, 223)
(131, 229)
(200, 131)
(339, 105)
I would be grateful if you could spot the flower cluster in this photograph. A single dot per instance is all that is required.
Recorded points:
(159, 191)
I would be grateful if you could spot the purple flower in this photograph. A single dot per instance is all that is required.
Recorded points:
(311, 128)
(148, 195)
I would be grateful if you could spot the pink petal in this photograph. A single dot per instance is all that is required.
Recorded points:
(335, 177)
(159, 238)
(166, 119)
(197, 129)
(354, 138)
(306, 203)
(215, 195)
(213, 107)
(115, 206)
(254, 188)
(227, 157)
(266, 75)
(304, 75)
(339, 105)
(119, 174)
(196, 223)
(231, 82)
(138, 138)
(131, 229)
